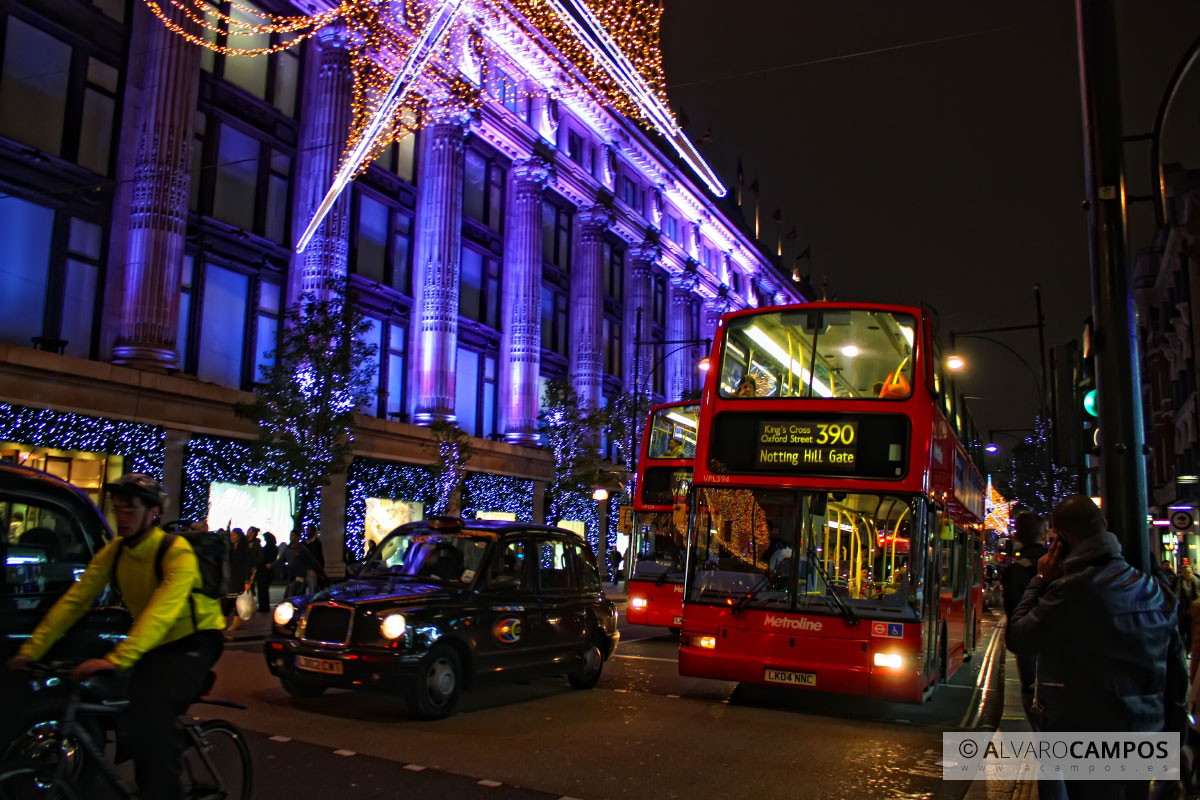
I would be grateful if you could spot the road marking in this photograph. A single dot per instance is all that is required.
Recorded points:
(673, 695)
(281, 738)
(414, 767)
(344, 753)
(648, 658)
(568, 797)
(983, 683)
(487, 782)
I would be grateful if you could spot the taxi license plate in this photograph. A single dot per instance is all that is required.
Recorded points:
(319, 665)
(677, 621)
(790, 678)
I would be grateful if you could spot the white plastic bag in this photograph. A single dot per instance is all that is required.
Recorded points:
(246, 606)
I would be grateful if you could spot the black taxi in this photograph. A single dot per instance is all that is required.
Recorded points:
(443, 603)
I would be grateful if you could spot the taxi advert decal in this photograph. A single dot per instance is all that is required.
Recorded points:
(508, 630)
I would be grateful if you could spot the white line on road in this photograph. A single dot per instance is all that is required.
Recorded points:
(414, 767)
(487, 782)
(344, 753)
(648, 658)
(281, 738)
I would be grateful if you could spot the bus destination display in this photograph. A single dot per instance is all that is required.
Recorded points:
(808, 446)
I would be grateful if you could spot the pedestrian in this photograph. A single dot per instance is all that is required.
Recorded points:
(298, 564)
(1028, 546)
(316, 573)
(614, 564)
(266, 572)
(239, 577)
(1187, 592)
(1103, 634)
(1167, 573)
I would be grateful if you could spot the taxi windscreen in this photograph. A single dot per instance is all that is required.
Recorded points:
(444, 557)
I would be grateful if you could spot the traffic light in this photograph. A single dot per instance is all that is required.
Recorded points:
(1089, 417)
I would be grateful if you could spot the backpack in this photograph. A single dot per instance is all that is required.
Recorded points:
(212, 556)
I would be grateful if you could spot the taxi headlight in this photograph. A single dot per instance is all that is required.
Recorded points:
(889, 660)
(637, 602)
(393, 626)
(284, 613)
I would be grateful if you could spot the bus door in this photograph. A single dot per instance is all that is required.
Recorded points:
(933, 590)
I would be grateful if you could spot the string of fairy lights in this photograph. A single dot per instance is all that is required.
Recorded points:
(381, 39)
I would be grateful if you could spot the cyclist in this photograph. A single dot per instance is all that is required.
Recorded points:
(176, 634)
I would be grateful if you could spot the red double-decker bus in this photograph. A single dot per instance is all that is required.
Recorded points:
(836, 509)
(664, 474)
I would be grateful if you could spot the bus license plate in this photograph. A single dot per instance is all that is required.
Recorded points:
(791, 678)
(677, 621)
(319, 665)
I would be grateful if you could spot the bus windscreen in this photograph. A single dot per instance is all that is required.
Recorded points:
(673, 432)
(835, 353)
(787, 549)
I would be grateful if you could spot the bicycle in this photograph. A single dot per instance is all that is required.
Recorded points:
(64, 758)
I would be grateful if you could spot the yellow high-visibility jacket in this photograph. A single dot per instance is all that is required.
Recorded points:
(162, 612)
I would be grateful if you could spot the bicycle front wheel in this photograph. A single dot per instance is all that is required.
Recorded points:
(216, 765)
(32, 783)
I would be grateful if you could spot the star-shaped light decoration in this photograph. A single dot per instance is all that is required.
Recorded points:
(609, 47)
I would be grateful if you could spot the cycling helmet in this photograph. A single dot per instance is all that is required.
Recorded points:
(142, 487)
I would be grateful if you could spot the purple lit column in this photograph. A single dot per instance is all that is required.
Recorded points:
(161, 190)
(520, 303)
(436, 260)
(679, 314)
(587, 305)
(642, 259)
(323, 131)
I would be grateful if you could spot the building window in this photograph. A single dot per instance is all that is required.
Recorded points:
(49, 290)
(475, 392)
(272, 78)
(251, 186)
(381, 241)
(267, 328)
(395, 371)
(556, 235)
(400, 158)
(58, 99)
(479, 287)
(374, 336)
(506, 91)
(575, 147)
(222, 334)
(630, 192)
(671, 227)
(554, 320)
(660, 299)
(612, 346)
(614, 269)
(483, 190)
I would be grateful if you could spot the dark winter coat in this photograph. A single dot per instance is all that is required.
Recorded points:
(1014, 581)
(1102, 634)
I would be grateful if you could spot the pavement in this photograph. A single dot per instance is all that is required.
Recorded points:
(1012, 720)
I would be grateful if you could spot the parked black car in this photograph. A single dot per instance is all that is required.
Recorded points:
(440, 604)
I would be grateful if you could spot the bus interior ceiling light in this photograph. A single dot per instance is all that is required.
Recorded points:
(580, 19)
(850, 351)
(772, 347)
(418, 59)
(682, 420)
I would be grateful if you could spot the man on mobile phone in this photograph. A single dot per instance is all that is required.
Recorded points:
(1102, 633)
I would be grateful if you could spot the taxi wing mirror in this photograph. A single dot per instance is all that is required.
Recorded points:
(503, 583)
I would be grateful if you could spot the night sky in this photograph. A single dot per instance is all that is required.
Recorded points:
(949, 171)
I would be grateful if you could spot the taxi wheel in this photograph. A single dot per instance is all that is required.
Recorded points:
(591, 664)
(301, 688)
(434, 693)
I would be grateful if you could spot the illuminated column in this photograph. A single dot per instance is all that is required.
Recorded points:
(520, 303)
(436, 260)
(587, 305)
(639, 294)
(323, 131)
(160, 194)
(679, 312)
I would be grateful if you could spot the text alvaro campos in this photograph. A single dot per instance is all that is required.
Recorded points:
(1114, 756)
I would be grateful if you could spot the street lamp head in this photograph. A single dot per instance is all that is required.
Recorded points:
(705, 365)
(600, 495)
(992, 448)
(955, 363)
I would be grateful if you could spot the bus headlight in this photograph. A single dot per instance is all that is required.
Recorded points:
(393, 626)
(284, 613)
(705, 642)
(889, 660)
(637, 602)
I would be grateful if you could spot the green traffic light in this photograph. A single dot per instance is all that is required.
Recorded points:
(1089, 403)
